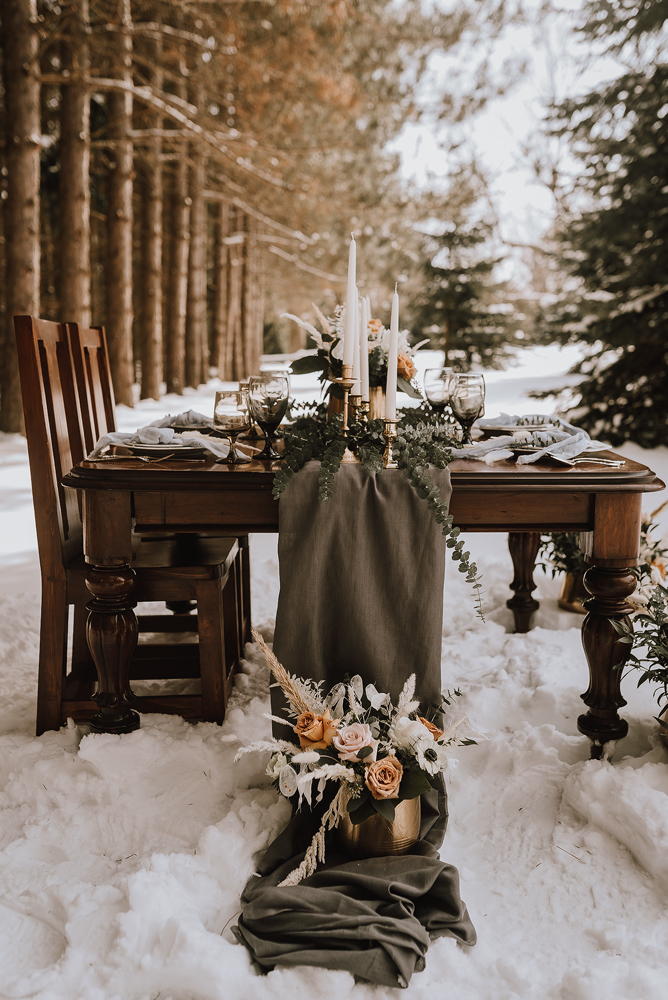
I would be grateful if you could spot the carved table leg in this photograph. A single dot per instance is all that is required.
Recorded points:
(523, 546)
(112, 637)
(605, 653)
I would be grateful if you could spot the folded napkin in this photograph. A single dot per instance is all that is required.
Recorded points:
(161, 435)
(191, 418)
(566, 442)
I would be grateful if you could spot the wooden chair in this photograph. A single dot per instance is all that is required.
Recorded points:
(96, 401)
(166, 569)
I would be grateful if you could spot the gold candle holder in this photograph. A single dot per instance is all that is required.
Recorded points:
(346, 382)
(363, 413)
(355, 403)
(390, 432)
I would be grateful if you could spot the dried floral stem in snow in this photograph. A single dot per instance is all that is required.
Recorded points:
(316, 850)
(295, 691)
(274, 745)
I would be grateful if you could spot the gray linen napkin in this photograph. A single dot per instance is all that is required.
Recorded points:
(161, 435)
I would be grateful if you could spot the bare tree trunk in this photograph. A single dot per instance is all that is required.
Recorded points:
(218, 347)
(20, 77)
(177, 290)
(196, 335)
(119, 250)
(151, 328)
(252, 335)
(74, 193)
(235, 347)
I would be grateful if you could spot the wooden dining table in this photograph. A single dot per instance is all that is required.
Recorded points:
(125, 499)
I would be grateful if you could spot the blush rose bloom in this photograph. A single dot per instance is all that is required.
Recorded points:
(434, 730)
(350, 740)
(405, 367)
(383, 778)
(315, 732)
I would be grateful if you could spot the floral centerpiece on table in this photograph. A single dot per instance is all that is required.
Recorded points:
(329, 354)
(378, 754)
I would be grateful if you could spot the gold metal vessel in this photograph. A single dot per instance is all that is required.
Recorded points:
(376, 403)
(376, 837)
(573, 593)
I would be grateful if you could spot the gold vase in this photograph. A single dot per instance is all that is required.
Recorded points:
(376, 403)
(376, 837)
(573, 593)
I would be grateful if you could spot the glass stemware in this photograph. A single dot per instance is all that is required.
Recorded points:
(437, 388)
(467, 401)
(230, 415)
(268, 398)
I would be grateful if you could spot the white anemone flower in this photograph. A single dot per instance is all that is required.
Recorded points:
(432, 759)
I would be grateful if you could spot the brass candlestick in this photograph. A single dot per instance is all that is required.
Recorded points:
(363, 414)
(346, 382)
(390, 432)
(355, 404)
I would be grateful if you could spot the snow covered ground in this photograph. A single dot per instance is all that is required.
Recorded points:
(122, 858)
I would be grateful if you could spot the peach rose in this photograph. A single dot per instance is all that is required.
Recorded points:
(315, 732)
(375, 325)
(405, 367)
(434, 730)
(383, 778)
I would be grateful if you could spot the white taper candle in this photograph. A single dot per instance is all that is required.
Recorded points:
(391, 385)
(355, 391)
(364, 348)
(351, 306)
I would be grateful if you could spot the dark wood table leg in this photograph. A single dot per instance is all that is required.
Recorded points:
(612, 548)
(111, 629)
(523, 546)
(112, 638)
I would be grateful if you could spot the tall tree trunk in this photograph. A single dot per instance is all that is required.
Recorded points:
(119, 249)
(20, 76)
(218, 347)
(177, 289)
(74, 193)
(235, 351)
(196, 333)
(151, 328)
(252, 333)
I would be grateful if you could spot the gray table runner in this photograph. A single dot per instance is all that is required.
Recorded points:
(361, 591)
(361, 580)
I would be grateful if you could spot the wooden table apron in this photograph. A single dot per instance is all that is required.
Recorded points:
(604, 504)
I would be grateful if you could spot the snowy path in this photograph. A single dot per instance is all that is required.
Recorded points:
(122, 858)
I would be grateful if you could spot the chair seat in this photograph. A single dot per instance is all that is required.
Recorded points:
(167, 568)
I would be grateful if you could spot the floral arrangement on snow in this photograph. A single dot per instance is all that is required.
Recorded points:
(329, 354)
(378, 753)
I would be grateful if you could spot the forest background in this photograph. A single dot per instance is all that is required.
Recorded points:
(183, 173)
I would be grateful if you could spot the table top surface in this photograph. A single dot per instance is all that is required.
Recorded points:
(123, 474)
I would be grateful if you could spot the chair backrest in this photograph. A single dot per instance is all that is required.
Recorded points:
(53, 431)
(93, 383)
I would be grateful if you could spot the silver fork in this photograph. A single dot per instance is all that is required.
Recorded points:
(610, 462)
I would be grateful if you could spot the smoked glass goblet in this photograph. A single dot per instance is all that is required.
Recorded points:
(268, 398)
(437, 388)
(467, 401)
(230, 415)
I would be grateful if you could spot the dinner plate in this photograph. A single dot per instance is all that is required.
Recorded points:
(513, 428)
(525, 449)
(178, 451)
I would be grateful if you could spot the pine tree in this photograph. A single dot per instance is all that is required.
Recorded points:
(618, 245)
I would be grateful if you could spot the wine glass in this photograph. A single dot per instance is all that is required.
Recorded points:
(268, 398)
(467, 401)
(437, 388)
(230, 415)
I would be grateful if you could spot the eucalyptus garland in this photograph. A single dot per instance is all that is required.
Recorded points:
(423, 439)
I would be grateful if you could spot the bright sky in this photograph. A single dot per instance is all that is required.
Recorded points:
(501, 136)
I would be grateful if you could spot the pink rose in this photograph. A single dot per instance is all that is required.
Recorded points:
(349, 740)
